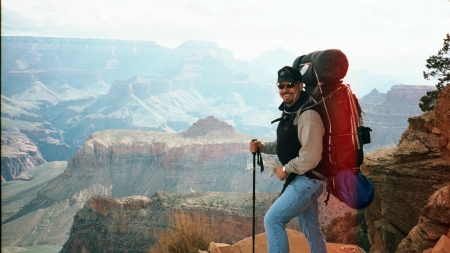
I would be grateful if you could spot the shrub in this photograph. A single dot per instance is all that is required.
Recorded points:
(348, 229)
(188, 234)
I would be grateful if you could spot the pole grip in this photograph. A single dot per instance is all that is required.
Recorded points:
(253, 200)
(257, 148)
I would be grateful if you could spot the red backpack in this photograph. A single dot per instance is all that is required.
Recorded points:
(322, 73)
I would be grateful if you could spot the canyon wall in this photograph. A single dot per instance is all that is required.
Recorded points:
(387, 113)
(404, 177)
(18, 154)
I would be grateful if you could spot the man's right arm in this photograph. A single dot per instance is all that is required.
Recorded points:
(270, 147)
(267, 147)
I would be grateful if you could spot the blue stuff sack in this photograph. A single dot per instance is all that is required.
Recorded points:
(351, 187)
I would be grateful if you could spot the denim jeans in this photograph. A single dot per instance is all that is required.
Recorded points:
(298, 200)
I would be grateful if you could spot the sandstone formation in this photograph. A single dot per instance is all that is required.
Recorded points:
(297, 243)
(404, 177)
(434, 222)
(105, 223)
(443, 245)
(442, 120)
(134, 223)
(19, 154)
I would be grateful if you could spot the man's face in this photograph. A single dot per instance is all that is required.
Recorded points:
(290, 95)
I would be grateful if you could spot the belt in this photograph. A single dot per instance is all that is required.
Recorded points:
(311, 175)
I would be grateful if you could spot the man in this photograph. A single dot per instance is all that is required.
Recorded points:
(299, 149)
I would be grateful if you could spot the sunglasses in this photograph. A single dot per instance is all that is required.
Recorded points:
(289, 86)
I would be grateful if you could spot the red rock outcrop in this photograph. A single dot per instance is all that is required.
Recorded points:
(443, 245)
(434, 221)
(132, 224)
(404, 177)
(297, 243)
(106, 223)
(442, 120)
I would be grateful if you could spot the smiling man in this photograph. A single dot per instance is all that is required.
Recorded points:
(299, 150)
(290, 85)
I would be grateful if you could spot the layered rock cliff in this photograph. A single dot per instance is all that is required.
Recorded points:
(24, 117)
(19, 154)
(129, 162)
(387, 113)
(442, 121)
(404, 177)
(134, 223)
(434, 220)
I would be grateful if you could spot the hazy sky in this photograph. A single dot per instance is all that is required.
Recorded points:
(375, 35)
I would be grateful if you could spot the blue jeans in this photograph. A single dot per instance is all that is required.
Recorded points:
(298, 200)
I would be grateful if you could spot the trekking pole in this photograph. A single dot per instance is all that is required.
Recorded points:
(254, 197)
(260, 162)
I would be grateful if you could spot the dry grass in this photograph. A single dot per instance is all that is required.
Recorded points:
(188, 234)
(348, 229)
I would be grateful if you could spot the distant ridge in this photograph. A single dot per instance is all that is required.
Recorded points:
(211, 127)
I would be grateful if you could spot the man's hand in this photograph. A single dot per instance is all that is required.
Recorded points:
(272, 163)
(280, 173)
(254, 145)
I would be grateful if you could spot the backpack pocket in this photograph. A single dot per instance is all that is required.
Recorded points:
(351, 187)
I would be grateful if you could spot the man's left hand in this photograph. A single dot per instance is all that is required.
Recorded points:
(280, 173)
